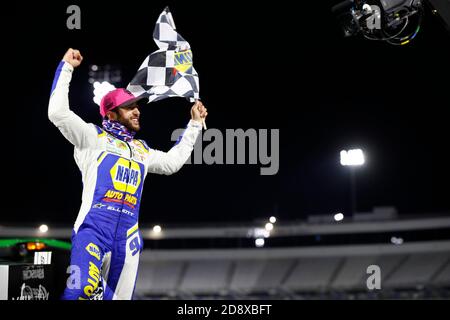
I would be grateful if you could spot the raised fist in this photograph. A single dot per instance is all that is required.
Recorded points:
(198, 111)
(73, 57)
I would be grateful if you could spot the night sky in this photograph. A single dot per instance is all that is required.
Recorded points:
(261, 65)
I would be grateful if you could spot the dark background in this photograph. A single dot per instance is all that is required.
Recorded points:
(261, 66)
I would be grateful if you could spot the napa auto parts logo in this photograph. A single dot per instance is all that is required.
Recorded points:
(183, 60)
(126, 176)
(93, 250)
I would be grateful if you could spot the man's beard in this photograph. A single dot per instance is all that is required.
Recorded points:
(128, 123)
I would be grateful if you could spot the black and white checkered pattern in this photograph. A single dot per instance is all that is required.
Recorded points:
(167, 72)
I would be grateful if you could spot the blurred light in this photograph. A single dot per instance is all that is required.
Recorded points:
(32, 246)
(94, 67)
(259, 242)
(157, 229)
(396, 240)
(338, 217)
(273, 219)
(101, 89)
(354, 157)
(268, 226)
(258, 233)
(43, 228)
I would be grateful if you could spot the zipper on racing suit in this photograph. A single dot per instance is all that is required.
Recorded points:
(126, 187)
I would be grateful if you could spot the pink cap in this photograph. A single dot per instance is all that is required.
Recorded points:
(117, 98)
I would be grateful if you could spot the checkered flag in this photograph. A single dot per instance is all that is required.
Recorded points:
(167, 72)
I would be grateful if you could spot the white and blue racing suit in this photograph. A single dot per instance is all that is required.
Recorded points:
(106, 242)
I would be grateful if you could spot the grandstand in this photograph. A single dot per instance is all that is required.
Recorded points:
(317, 258)
(415, 267)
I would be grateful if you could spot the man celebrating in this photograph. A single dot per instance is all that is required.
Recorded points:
(106, 241)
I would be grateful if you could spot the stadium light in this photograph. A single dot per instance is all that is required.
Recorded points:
(43, 228)
(268, 226)
(258, 233)
(101, 89)
(338, 216)
(157, 229)
(396, 240)
(259, 242)
(272, 219)
(107, 72)
(352, 157)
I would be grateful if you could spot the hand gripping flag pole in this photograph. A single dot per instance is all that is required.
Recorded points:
(169, 71)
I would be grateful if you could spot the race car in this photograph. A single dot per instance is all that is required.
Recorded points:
(33, 268)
